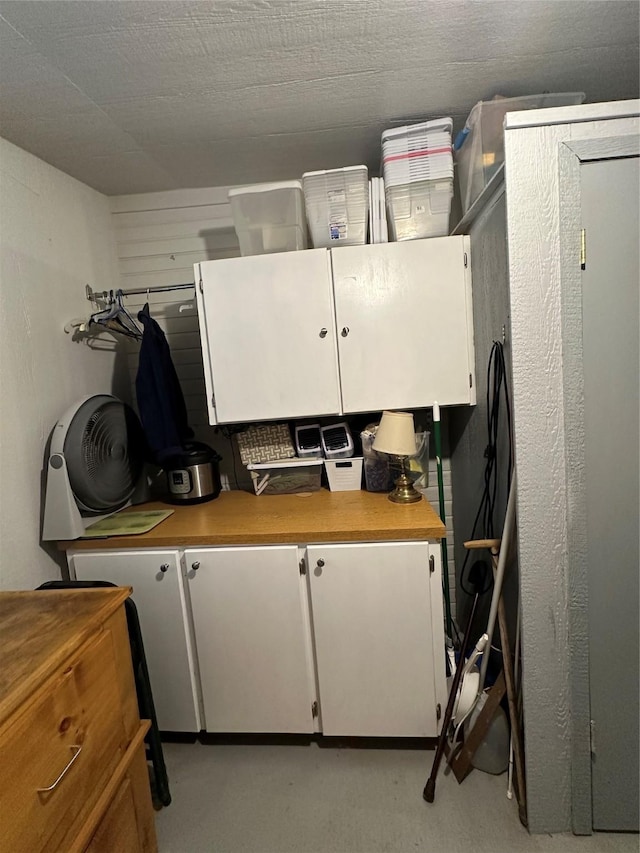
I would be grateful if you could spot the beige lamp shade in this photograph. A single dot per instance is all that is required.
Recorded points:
(396, 434)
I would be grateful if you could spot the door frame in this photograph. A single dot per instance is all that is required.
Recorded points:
(543, 153)
(571, 157)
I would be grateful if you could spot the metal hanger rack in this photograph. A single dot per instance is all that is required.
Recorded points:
(92, 295)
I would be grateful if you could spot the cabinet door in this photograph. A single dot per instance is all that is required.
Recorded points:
(269, 337)
(405, 326)
(375, 640)
(158, 594)
(251, 627)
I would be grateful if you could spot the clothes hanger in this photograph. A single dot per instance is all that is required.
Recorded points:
(116, 317)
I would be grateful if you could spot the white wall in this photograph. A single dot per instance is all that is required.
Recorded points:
(56, 236)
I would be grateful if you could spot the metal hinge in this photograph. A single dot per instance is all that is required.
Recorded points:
(592, 736)
(470, 380)
(438, 711)
(432, 564)
(466, 260)
(583, 249)
(201, 286)
(314, 709)
(303, 566)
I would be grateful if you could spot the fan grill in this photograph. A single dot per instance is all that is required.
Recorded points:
(103, 449)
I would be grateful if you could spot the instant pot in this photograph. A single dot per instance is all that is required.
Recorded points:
(193, 475)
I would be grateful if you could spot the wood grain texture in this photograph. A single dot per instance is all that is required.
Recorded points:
(40, 630)
(128, 768)
(69, 729)
(240, 518)
(75, 716)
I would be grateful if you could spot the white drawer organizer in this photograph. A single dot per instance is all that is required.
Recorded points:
(331, 332)
(343, 639)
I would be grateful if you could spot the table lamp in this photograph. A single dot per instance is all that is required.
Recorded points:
(396, 436)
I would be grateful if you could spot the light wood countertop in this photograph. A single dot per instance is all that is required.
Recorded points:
(241, 518)
(39, 630)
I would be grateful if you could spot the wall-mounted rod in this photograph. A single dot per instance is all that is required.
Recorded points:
(104, 294)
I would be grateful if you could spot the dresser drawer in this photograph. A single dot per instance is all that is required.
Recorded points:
(59, 752)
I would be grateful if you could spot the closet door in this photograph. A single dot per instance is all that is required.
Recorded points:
(267, 324)
(404, 324)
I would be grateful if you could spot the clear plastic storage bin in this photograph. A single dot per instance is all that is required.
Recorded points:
(269, 217)
(286, 476)
(337, 203)
(481, 152)
(420, 209)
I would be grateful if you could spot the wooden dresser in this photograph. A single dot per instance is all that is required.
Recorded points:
(73, 774)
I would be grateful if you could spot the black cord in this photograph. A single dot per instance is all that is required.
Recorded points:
(229, 432)
(497, 387)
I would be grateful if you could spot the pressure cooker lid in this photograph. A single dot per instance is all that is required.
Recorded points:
(193, 453)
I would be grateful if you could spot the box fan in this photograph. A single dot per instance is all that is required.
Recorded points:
(95, 466)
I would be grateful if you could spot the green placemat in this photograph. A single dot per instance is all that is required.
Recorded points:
(127, 523)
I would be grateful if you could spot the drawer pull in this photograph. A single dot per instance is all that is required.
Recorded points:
(195, 566)
(164, 567)
(78, 750)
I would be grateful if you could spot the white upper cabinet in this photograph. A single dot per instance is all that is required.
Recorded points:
(355, 329)
(403, 313)
(268, 335)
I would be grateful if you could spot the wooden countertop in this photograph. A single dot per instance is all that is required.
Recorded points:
(40, 630)
(241, 518)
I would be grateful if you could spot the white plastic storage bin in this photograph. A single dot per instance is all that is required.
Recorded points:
(479, 147)
(286, 477)
(344, 475)
(420, 209)
(269, 218)
(337, 203)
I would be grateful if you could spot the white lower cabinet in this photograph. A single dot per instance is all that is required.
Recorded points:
(158, 593)
(250, 618)
(379, 644)
(346, 640)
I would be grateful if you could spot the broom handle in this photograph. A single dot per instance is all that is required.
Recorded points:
(507, 534)
(443, 544)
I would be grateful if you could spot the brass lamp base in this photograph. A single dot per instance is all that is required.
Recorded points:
(404, 492)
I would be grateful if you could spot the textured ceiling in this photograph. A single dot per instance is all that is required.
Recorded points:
(142, 96)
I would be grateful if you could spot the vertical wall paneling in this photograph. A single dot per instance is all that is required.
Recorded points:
(160, 236)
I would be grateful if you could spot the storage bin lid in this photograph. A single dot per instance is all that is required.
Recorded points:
(283, 463)
(326, 172)
(265, 188)
(424, 127)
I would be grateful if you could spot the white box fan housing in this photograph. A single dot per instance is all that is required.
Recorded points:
(95, 466)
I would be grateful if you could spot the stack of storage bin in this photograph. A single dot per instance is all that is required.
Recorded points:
(337, 203)
(269, 217)
(417, 165)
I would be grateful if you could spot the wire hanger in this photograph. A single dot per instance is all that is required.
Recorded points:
(116, 318)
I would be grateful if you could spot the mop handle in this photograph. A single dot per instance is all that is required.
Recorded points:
(443, 543)
(507, 532)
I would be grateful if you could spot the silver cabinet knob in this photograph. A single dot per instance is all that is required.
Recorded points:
(345, 331)
(195, 566)
(323, 333)
(164, 567)
(320, 563)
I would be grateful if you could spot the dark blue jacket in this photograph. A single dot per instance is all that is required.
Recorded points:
(160, 400)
